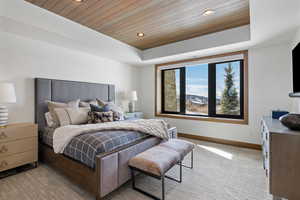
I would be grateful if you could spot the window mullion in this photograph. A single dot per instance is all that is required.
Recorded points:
(212, 90)
(241, 88)
(163, 91)
(182, 90)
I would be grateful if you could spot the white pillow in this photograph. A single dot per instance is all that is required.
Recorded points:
(72, 116)
(79, 115)
(62, 116)
(53, 105)
(49, 120)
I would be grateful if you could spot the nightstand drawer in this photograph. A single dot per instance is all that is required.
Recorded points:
(17, 160)
(18, 146)
(17, 132)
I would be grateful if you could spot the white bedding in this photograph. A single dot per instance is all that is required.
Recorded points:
(63, 135)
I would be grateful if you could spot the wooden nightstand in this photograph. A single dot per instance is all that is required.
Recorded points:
(18, 145)
(133, 115)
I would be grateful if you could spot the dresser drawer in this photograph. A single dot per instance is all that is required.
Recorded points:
(17, 160)
(18, 146)
(11, 133)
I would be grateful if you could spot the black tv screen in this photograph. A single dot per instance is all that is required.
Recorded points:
(296, 71)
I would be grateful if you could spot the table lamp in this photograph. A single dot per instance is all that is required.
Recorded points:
(7, 95)
(132, 99)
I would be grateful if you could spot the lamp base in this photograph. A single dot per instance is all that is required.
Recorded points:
(3, 116)
(131, 107)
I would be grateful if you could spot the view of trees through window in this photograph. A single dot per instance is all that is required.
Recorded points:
(228, 87)
(209, 89)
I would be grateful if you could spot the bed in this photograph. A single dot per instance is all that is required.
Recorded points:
(111, 169)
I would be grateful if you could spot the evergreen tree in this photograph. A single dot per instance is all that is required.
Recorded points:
(229, 101)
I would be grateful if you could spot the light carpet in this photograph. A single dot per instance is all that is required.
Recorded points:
(220, 172)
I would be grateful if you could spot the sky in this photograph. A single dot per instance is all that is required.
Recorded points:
(197, 78)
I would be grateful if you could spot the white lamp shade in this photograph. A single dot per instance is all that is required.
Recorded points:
(133, 96)
(7, 93)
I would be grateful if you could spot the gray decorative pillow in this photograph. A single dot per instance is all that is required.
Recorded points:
(100, 117)
(117, 111)
(52, 105)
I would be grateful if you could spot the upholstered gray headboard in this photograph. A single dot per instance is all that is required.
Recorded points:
(64, 91)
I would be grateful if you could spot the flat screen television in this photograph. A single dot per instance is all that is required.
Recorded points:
(296, 72)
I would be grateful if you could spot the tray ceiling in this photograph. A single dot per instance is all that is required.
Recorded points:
(162, 21)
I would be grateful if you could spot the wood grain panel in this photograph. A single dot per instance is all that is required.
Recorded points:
(221, 141)
(77, 172)
(17, 131)
(162, 21)
(18, 160)
(18, 146)
(281, 156)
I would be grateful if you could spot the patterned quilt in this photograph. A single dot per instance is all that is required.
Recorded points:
(85, 147)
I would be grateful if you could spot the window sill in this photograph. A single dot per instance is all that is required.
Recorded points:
(201, 118)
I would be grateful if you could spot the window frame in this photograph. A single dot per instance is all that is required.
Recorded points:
(212, 115)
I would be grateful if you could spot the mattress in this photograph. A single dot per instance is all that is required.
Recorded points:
(85, 147)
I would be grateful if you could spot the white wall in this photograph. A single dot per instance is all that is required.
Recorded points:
(22, 59)
(190, 47)
(269, 85)
(37, 43)
(296, 101)
(296, 38)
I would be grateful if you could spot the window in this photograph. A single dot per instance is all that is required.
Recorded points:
(213, 90)
(196, 97)
(228, 88)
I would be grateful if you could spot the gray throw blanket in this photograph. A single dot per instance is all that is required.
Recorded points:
(63, 135)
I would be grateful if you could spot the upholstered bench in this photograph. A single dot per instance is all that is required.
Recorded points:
(158, 160)
(183, 147)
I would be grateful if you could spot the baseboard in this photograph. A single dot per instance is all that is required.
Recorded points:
(221, 141)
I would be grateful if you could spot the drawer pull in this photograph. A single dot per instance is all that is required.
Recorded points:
(3, 135)
(3, 164)
(3, 149)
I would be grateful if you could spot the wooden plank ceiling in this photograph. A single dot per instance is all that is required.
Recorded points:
(162, 21)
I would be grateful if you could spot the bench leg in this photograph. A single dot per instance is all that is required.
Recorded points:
(146, 193)
(162, 178)
(192, 161)
(163, 187)
(180, 174)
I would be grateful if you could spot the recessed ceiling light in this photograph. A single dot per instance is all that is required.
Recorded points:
(208, 12)
(140, 34)
(78, 0)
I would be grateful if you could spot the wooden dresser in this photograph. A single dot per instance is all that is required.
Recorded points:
(281, 152)
(18, 145)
